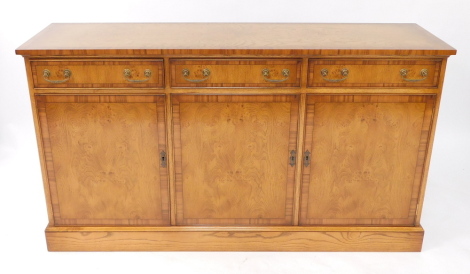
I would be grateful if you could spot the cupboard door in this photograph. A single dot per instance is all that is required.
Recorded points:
(367, 156)
(232, 159)
(102, 159)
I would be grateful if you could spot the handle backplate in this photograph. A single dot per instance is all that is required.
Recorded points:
(128, 76)
(344, 72)
(47, 73)
(404, 72)
(205, 72)
(284, 72)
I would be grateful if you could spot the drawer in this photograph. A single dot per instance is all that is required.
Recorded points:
(373, 73)
(235, 73)
(98, 74)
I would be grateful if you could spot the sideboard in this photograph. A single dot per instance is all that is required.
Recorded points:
(226, 136)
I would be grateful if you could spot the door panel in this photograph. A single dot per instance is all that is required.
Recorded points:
(367, 157)
(232, 159)
(102, 159)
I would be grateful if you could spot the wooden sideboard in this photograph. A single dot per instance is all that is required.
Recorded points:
(289, 137)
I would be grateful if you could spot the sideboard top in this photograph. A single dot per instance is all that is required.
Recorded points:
(139, 39)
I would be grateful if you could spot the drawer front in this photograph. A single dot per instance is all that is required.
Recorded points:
(373, 73)
(98, 74)
(235, 73)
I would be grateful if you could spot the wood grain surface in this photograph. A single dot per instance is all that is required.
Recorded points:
(236, 73)
(99, 73)
(235, 239)
(233, 38)
(232, 159)
(228, 183)
(102, 156)
(367, 158)
(373, 73)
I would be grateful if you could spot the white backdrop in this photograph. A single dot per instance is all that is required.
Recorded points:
(23, 214)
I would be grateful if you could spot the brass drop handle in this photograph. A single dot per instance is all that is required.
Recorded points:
(47, 73)
(404, 72)
(344, 73)
(128, 75)
(285, 73)
(205, 72)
